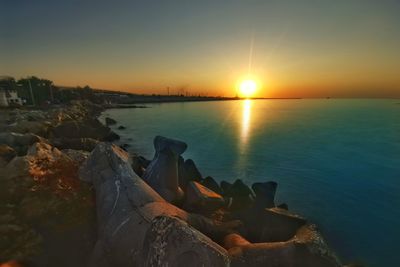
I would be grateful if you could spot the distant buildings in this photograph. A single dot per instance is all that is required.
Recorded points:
(8, 94)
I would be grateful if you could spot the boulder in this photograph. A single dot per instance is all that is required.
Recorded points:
(42, 160)
(162, 172)
(270, 225)
(90, 128)
(110, 121)
(78, 156)
(121, 127)
(40, 128)
(191, 171)
(6, 153)
(224, 185)
(139, 164)
(306, 248)
(86, 144)
(210, 183)
(200, 199)
(188, 172)
(17, 139)
(265, 194)
(241, 194)
(127, 207)
(193, 249)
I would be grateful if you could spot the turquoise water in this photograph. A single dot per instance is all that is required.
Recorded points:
(336, 161)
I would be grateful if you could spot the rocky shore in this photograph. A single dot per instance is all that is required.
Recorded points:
(69, 197)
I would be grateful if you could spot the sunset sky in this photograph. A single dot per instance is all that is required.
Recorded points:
(291, 48)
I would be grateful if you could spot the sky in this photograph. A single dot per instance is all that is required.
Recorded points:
(342, 48)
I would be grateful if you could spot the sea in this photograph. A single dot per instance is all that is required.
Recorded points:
(337, 161)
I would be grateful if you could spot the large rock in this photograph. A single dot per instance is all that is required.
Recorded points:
(41, 161)
(188, 172)
(162, 173)
(86, 144)
(126, 212)
(193, 248)
(210, 183)
(6, 153)
(90, 128)
(40, 128)
(270, 225)
(241, 195)
(201, 199)
(265, 194)
(19, 142)
(306, 249)
(78, 156)
(139, 164)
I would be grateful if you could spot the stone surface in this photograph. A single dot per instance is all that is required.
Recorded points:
(193, 248)
(19, 142)
(210, 183)
(139, 164)
(270, 225)
(89, 128)
(265, 194)
(126, 206)
(201, 199)
(192, 173)
(78, 156)
(35, 127)
(7, 153)
(241, 194)
(306, 249)
(162, 172)
(86, 144)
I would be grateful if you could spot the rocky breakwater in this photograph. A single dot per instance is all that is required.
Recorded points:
(164, 213)
(46, 213)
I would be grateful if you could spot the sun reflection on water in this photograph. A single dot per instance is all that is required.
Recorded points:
(246, 120)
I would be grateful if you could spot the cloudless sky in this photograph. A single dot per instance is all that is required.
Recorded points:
(342, 48)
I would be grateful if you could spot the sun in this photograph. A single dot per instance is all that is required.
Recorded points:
(247, 88)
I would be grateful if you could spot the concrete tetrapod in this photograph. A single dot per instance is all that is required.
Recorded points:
(126, 212)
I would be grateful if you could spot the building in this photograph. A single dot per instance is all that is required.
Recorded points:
(8, 94)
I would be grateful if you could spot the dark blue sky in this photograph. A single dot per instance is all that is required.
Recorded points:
(299, 48)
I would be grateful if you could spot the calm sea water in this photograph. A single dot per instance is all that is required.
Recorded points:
(337, 162)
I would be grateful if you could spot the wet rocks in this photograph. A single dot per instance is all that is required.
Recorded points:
(121, 127)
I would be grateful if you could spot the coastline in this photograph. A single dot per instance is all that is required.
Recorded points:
(41, 154)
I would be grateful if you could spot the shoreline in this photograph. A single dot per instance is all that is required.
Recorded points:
(38, 149)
